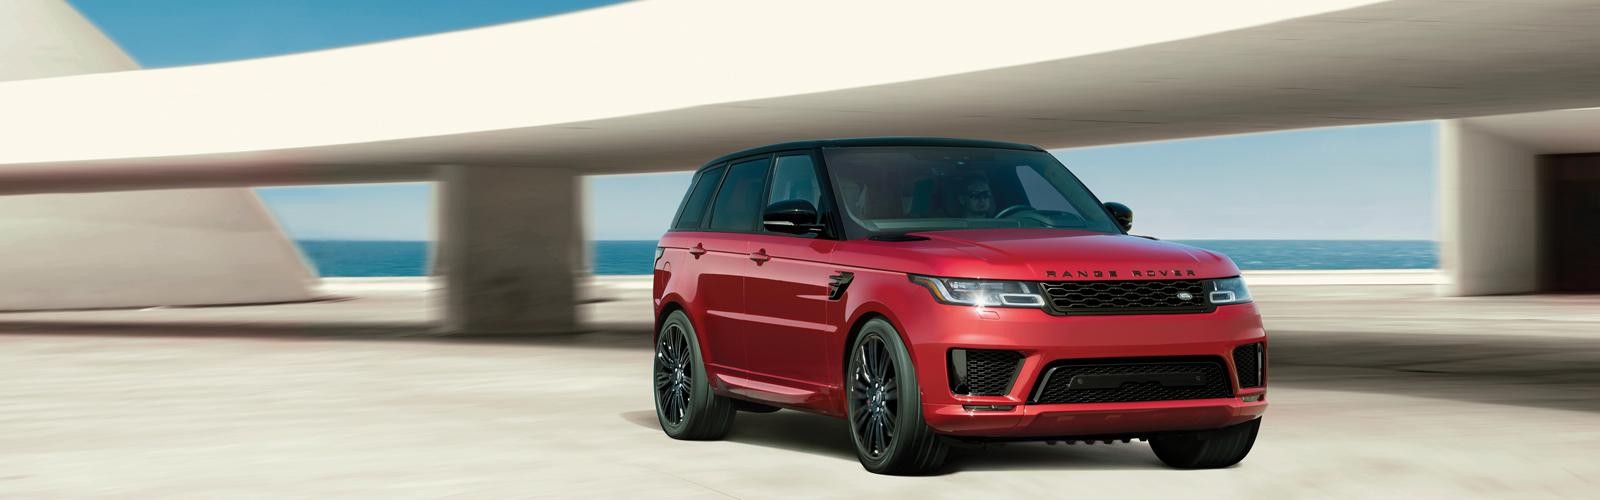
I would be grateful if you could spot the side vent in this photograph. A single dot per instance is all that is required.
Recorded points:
(983, 372)
(1249, 360)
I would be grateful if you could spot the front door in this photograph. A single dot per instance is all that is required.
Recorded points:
(786, 289)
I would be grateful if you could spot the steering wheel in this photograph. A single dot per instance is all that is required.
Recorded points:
(1011, 210)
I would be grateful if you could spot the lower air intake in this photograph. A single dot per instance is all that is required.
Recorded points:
(1130, 380)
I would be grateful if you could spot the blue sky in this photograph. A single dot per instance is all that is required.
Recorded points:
(1368, 182)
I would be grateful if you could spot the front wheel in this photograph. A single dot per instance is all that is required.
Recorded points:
(885, 406)
(1212, 449)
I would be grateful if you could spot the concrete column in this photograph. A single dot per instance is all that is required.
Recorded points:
(583, 232)
(1489, 240)
(436, 262)
(507, 249)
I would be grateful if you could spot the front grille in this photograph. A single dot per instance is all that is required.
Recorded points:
(1125, 297)
(1124, 380)
(1248, 360)
(983, 372)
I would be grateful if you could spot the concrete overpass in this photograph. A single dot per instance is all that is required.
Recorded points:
(507, 117)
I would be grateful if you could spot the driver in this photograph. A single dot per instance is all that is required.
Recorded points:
(975, 198)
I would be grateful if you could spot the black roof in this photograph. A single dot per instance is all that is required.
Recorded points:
(859, 142)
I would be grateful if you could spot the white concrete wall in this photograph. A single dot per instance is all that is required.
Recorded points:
(1489, 238)
(127, 249)
(144, 248)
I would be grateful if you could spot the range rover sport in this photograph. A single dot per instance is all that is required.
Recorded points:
(935, 292)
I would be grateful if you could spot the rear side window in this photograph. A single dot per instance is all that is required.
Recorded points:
(738, 203)
(694, 204)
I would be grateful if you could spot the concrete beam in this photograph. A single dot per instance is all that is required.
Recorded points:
(508, 249)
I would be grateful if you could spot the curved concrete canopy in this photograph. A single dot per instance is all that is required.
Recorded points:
(665, 85)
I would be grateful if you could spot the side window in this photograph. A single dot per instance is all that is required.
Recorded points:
(694, 203)
(794, 178)
(738, 203)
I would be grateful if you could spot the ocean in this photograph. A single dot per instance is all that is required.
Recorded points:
(409, 258)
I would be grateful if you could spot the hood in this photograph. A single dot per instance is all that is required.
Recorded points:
(1045, 254)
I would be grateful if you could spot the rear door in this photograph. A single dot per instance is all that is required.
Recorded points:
(724, 257)
(786, 287)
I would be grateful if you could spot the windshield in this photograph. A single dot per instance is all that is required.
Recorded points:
(904, 189)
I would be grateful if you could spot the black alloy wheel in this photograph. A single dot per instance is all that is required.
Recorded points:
(686, 407)
(673, 374)
(885, 406)
(874, 396)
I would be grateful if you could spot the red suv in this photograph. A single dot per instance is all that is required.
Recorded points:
(940, 291)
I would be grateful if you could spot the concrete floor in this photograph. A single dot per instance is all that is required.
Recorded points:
(1377, 390)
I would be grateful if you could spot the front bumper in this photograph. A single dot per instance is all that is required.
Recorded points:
(1042, 338)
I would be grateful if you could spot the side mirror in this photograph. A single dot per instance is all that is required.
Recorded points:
(1122, 214)
(792, 217)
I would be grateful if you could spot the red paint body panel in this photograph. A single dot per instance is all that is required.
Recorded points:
(790, 341)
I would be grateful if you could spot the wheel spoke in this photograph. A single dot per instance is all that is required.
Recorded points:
(683, 351)
(865, 370)
(880, 440)
(871, 435)
(662, 380)
(882, 364)
(860, 417)
(668, 358)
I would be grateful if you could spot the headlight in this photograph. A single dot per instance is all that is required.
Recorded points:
(986, 293)
(1227, 291)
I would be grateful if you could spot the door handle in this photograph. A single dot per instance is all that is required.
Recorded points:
(697, 250)
(760, 256)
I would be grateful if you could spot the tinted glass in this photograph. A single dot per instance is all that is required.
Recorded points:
(1040, 193)
(794, 178)
(738, 203)
(694, 204)
(906, 189)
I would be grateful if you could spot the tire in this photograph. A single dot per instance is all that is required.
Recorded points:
(885, 406)
(1212, 449)
(685, 404)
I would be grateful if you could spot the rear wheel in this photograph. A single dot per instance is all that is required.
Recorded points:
(885, 406)
(685, 405)
(1212, 449)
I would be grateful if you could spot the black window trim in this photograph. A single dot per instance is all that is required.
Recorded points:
(699, 176)
(705, 224)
